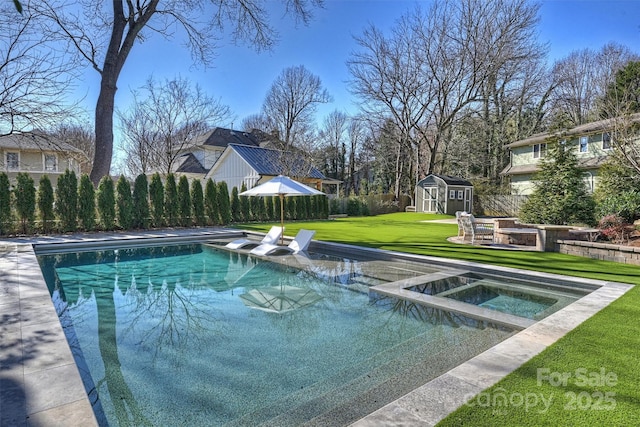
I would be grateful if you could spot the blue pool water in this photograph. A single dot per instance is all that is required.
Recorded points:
(190, 335)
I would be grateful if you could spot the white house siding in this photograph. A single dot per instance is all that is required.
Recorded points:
(234, 171)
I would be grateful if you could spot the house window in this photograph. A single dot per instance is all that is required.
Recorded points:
(539, 150)
(13, 161)
(452, 194)
(584, 140)
(460, 194)
(50, 163)
(606, 141)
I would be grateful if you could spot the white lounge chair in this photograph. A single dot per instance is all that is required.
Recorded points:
(271, 237)
(299, 244)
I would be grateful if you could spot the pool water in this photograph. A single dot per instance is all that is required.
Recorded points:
(191, 335)
(506, 301)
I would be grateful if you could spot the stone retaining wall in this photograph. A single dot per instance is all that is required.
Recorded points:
(602, 251)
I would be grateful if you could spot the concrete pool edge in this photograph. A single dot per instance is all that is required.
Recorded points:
(50, 401)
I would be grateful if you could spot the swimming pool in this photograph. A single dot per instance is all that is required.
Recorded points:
(166, 335)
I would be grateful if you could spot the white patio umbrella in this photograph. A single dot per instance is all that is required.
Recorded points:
(281, 186)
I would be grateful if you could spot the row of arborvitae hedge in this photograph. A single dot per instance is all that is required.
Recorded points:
(77, 206)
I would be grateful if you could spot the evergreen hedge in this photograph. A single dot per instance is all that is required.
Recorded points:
(184, 202)
(236, 214)
(156, 200)
(66, 204)
(124, 203)
(224, 204)
(5, 204)
(86, 203)
(211, 208)
(171, 201)
(141, 202)
(106, 202)
(45, 203)
(25, 197)
(197, 203)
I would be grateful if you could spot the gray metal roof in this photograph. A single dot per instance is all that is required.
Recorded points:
(267, 161)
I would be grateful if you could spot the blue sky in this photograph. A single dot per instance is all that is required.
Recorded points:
(241, 77)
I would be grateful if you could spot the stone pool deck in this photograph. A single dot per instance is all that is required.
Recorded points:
(40, 384)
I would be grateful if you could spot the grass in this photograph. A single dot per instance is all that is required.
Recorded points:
(608, 343)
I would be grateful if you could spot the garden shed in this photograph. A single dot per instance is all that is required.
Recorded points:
(443, 194)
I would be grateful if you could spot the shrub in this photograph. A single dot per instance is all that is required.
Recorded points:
(106, 203)
(86, 203)
(124, 203)
(140, 202)
(614, 228)
(245, 205)
(270, 214)
(156, 199)
(197, 202)
(560, 195)
(25, 197)
(66, 206)
(45, 203)
(236, 215)
(171, 201)
(5, 204)
(224, 204)
(625, 205)
(184, 201)
(211, 202)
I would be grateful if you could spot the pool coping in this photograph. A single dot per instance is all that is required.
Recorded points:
(40, 383)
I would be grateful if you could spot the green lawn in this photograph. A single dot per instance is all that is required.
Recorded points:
(608, 343)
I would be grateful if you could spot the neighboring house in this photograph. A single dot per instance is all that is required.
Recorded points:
(253, 165)
(443, 194)
(591, 142)
(37, 155)
(201, 154)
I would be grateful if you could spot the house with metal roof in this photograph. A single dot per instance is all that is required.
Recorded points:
(443, 194)
(253, 165)
(591, 142)
(37, 154)
(203, 151)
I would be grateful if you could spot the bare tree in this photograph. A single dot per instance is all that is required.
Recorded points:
(162, 121)
(105, 36)
(290, 105)
(34, 73)
(81, 136)
(333, 137)
(581, 79)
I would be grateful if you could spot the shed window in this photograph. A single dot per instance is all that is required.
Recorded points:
(13, 161)
(606, 141)
(50, 162)
(452, 194)
(539, 150)
(584, 141)
(460, 194)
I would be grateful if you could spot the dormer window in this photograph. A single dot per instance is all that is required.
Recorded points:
(539, 150)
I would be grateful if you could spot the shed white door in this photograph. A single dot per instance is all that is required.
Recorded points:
(468, 199)
(430, 199)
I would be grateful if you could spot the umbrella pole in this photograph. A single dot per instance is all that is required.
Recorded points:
(282, 218)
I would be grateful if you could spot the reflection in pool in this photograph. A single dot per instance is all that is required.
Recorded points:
(163, 336)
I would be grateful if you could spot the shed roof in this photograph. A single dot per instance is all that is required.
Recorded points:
(448, 179)
(266, 161)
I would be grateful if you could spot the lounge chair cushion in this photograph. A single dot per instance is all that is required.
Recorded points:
(271, 237)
